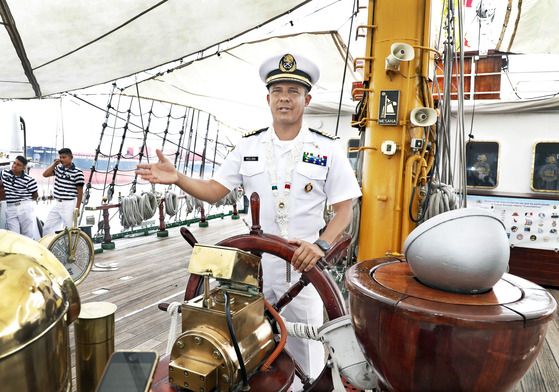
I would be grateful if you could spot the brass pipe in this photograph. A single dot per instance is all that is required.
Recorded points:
(365, 59)
(358, 90)
(357, 35)
(363, 148)
(439, 55)
(363, 121)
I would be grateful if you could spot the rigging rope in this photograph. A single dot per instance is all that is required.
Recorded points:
(195, 140)
(111, 187)
(438, 195)
(143, 148)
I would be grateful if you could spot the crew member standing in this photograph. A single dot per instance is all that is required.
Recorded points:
(294, 169)
(20, 191)
(68, 191)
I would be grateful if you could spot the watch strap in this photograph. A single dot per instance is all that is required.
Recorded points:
(325, 246)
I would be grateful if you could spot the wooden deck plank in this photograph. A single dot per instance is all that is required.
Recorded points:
(517, 388)
(533, 380)
(158, 271)
(547, 363)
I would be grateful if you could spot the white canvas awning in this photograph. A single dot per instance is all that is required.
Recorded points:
(54, 46)
(228, 85)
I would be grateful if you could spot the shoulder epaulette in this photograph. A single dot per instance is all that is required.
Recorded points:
(324, 134)
(254, 132)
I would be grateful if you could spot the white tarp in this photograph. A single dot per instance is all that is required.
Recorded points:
(54, 46)
(61, 45)
(514, 26)
(229, 86)
(537, 28)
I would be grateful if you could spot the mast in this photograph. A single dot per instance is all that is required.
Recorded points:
(392, 167)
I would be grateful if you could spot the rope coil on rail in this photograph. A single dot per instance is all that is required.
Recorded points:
(231, 198)
(148, 204)
(171, 203)
(135, 209)
(195, 204)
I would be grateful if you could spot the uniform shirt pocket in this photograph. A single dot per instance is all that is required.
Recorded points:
(312, 172)
(309, 181)
(253, 176)
(251, 168)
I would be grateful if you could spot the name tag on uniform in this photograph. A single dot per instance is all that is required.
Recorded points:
(250, 159)
(309, 157)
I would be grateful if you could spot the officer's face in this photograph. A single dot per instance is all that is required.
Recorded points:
(287, 102)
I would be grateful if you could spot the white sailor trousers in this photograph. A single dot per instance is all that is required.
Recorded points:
(306, 308)
(20, 217)
(61, 215)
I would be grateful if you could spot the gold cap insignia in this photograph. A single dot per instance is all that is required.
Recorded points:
(287, 63)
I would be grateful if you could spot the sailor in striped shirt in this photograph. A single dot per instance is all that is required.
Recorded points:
(68, 191)
(20, 191)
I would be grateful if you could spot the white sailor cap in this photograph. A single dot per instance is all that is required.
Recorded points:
(289, 67)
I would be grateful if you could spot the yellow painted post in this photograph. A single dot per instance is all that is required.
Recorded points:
(386, 198)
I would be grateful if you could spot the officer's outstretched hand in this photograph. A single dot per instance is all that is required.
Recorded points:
(162, 172)
(306, 256)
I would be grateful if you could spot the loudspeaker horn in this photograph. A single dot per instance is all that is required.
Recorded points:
(399, 52)
(423, 117)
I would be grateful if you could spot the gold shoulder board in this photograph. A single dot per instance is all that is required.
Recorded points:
(324, 134)
(254, 132)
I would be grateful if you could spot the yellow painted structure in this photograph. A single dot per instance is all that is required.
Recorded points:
(388, 180)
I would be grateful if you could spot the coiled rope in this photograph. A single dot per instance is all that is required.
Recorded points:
(195, 204)
(188, 204)
(231, 198)
(134, 209)
(443, 198)
(171, 203)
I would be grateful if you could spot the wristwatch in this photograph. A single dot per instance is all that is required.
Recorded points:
(325, 246)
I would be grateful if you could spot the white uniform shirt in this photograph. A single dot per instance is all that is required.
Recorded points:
(329, 177)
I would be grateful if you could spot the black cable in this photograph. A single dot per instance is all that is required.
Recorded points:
(234, 340)
(429, 184)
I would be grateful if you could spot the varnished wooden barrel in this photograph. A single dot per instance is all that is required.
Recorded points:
(423, 339)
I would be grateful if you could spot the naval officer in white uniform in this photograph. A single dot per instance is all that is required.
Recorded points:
(295, 170)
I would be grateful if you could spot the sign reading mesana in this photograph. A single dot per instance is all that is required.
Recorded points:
(388, 107)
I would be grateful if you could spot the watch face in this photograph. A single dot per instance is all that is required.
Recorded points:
(83, 252)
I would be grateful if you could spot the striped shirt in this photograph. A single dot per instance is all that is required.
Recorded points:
(66, 182)
(18, 188)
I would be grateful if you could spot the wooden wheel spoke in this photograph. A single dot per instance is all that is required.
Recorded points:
(290, 294)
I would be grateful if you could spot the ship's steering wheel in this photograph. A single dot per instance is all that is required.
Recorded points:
(257, 242)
